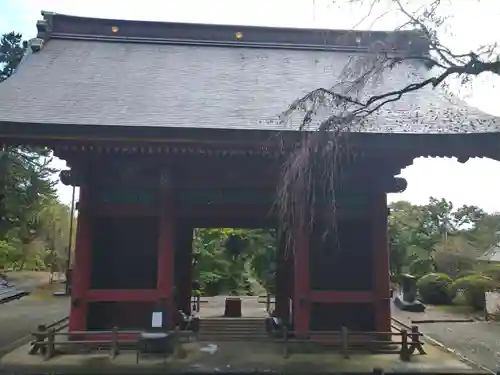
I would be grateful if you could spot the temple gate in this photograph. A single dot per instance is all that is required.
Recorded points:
(168, 126)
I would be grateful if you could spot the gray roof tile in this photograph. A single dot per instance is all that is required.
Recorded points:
(91, 82)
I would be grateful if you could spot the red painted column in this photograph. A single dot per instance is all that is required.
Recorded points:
(166, 243)
(301, 295)
(82, 265)
(381, 271)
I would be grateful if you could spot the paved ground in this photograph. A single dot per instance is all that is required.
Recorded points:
(28, 280)
(478, 341)
(20, 317)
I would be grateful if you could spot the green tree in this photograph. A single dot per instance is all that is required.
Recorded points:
(436, 237)
(219, 271)
(26, 184)
(12, 50)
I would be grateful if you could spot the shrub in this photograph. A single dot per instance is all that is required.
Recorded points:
(434, 288)
(492, 271)
(474, 287)
(466, 273)
(421, 267)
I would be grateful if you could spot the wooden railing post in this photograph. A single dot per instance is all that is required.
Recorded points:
(114, 343)
(40, 336)
(404, 354)
(178, 349)
(416, 344)
(51, 349)
(286, 353)
(344, 341)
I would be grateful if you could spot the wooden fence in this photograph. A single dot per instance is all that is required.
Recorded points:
(46, 341)
(269, 300)
(409, 341)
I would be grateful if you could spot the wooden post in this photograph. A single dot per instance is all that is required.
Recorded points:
(183, 271)
(114, 343)
(40, 336)
(178, 348)
(301, 301)
(198, 298)
(286, 353)
(82, 267)
(404, 353)
(344, 341)
(416, 343)
(165, 278)
(381, 271)
(51, 349)
(281, 289)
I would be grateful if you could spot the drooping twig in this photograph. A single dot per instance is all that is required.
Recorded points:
(311, 174)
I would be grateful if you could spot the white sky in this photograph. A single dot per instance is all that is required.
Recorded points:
(475, 182)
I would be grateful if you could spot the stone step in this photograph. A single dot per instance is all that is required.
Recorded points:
(233, 338)
(222, 323)
(232, 321)
(232, 329)
(232, 334)
(211, 335)
(233, 326)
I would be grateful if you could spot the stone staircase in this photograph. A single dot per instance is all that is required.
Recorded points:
(232, 329)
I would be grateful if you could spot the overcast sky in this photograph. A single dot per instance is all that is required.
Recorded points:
(475, 182)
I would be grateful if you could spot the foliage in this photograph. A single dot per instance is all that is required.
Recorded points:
(12, 50)
(474, 288)
(434, 288)
(34, 226)
(437, 237)
(492, 271)
(219, 271)
(421, 267)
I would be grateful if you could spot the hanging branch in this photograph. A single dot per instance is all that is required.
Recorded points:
(312, 172)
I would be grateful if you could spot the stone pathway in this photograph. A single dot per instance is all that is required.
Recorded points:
(478, 341)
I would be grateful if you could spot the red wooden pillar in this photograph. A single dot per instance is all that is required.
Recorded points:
(301, 294)
(82, 265)
(166, 243)
(381, 272)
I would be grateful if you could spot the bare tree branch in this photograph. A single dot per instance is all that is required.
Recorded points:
(312, 173)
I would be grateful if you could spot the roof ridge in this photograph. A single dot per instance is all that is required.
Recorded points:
(54, 25)
(52, 14)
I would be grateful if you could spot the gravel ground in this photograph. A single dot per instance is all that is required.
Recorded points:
(478, 341)
(20, 317)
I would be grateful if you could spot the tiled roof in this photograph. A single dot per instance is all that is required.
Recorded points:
(80, 78)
